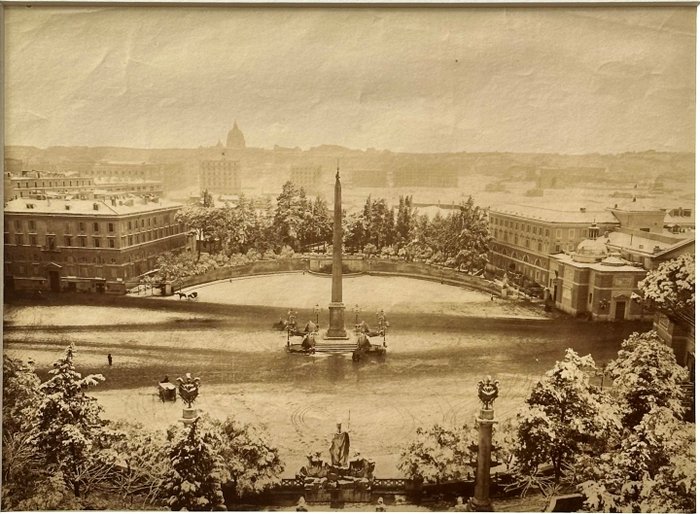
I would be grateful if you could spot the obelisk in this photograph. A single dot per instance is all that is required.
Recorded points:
(336, 309)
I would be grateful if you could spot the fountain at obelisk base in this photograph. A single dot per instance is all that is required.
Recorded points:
(336, 309)
(336, 339)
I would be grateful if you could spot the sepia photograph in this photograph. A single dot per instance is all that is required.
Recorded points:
(365, 258)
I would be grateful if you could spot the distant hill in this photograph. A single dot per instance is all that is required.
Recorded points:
(624, 167)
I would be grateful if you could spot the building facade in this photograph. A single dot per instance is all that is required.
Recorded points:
(418, 176)
(33, 183)
(307, 177)
(221, 176)
(369, 178)
(595, 283)
(87, 245)
(525, 237)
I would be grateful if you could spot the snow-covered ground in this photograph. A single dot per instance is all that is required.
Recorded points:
(76, 315)
(393, 294)
(434, 363)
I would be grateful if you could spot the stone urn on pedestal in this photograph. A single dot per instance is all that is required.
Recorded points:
(188, 388)
(488, 392)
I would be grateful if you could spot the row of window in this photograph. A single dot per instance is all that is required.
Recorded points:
(51, 183)
(146, 222)
(558, 233)
(83, 241)
(95, 226)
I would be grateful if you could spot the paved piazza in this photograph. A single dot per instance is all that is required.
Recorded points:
(436, 356)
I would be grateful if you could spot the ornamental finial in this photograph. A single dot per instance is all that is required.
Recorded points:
(488, 392)
(188, 388)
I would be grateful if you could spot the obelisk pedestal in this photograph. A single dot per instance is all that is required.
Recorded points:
(336, 309)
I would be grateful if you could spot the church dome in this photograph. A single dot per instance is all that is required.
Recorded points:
(591, 250)
(235, 137)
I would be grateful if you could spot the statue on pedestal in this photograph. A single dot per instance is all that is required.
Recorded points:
(340, 448)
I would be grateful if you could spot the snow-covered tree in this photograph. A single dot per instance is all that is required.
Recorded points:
(288, 219)
(251, 462)
(564, 416)
(444, 453)
(140, 465)
(68, 422)
(671, 288)
(439, 454)
(195, 477)
(20, 463)
(20, 395)
(645, 375)
(652, 469)
(469, 227)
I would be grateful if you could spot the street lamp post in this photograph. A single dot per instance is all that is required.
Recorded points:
(317, 310)
(488, 392)
(357, 314)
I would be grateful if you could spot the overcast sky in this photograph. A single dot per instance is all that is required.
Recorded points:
(425, 80)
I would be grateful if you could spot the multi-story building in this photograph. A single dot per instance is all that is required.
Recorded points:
(306, 177)
(418, 176)
(33, 183)
(679, 219)
(594, 282)
(525, 237)
(221, 176)
(105, 187)
(87, 245)
(369, 178)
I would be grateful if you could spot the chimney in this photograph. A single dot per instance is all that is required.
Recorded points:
(95, 206)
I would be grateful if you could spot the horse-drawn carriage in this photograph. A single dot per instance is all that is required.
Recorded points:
(167, 391)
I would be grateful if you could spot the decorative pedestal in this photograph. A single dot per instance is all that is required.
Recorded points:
(481, 502)
(336, 325)
(188, 416)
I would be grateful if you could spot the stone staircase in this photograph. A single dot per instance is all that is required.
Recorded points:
(335, 346)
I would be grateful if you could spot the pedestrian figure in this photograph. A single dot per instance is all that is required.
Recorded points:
(491, 297)
(109, 358)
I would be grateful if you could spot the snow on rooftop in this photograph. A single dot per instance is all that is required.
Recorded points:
(104, 207)
(582, 215)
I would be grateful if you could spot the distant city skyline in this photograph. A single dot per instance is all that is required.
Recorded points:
(531, 80)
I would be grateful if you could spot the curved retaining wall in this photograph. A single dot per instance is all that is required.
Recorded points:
(358, 266)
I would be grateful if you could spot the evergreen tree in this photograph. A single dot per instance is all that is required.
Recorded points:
(289, 216)
(405, 221)
(195, 479)
(68, 422)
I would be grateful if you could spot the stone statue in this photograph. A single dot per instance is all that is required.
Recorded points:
(188, 389)
(340, 448)
(488, 392)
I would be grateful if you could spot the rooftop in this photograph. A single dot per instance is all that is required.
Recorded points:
(86, 207)
(642, 244)
(597, 266)
(582, 215)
